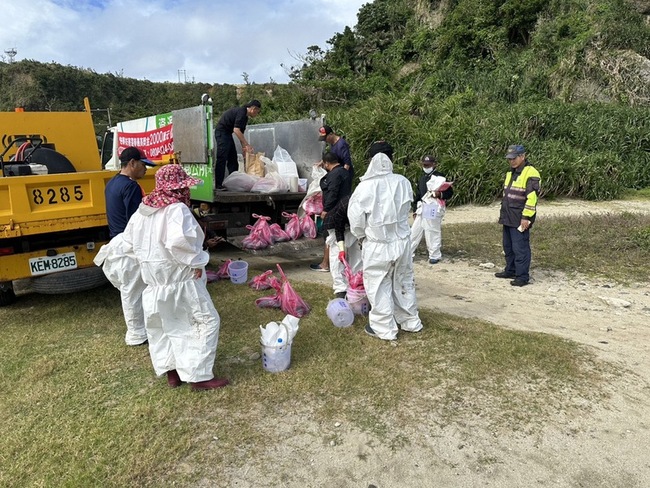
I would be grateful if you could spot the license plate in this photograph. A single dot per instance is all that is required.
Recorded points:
(52, 264)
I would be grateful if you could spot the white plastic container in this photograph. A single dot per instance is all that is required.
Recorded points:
(302, 184)
(238, 271)
(293, 184)
(340, 313)
(276, 358)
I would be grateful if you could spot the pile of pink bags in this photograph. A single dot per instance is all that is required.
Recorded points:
(262, 234)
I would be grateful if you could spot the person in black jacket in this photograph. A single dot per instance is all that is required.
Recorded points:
(429, 225)
(336, 184)
(233, 121)
(341, 245)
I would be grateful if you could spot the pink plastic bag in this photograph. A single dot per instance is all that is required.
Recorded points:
(261, 282)
(292, 227)
(211, 275)
(290, 302)
(355, 280)
(308, 227)
(260, 235)
(254, 240)
(269, 302)
(273, 301)
(314, 204)
(278, 234)
(263, 228)
(222, 272)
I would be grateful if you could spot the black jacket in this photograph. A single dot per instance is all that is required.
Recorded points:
(335, 185)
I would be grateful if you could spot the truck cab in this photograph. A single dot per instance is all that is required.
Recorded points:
(52, 208)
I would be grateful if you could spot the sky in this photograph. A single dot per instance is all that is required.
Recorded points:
(208, 41)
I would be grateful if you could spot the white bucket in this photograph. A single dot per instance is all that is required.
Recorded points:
(359, 303)
(276, 358)
(340, 313)
(238, 271)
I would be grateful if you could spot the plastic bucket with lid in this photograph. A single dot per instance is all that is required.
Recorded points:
(276, 358)
(340, 313)
(238, 271)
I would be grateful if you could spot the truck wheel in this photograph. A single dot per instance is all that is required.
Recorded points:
(55, 161)
(69, 281)
(7, 295)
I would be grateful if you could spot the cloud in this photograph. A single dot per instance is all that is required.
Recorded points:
(212, 41)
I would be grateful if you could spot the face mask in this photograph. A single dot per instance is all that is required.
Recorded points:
(428, 170)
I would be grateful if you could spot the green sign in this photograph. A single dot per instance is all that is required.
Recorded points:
(205, 192)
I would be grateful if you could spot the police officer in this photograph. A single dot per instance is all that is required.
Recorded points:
(518, 211)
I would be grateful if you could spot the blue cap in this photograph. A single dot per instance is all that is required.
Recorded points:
(514, 151)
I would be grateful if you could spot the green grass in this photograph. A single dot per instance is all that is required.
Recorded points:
(607, 246)
(80, 408)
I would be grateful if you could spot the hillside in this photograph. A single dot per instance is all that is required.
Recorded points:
(464, 79)
(459, 78)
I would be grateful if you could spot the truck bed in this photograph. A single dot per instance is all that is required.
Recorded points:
(282, 248)
(234, 210)
(244, 196)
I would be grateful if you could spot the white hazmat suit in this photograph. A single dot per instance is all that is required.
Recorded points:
(182, 322)
(378, 212)
(428, 220)
(124, 273)
(353, 256)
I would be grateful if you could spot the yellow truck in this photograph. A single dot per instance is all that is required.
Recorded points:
(52, 208)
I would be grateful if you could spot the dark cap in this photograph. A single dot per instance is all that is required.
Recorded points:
(134, 153)
(323, 132)
(429, 160)
(380, 147)
(514, 151)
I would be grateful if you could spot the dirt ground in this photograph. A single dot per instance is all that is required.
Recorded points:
(606, 447)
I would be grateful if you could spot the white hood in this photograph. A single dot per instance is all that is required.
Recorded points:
(380, 165)
(379, 206)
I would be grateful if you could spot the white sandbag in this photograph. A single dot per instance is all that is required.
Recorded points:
(286, 165)
(238, 181)
(271, 183)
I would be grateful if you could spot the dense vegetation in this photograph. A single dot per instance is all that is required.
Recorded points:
(459, 78)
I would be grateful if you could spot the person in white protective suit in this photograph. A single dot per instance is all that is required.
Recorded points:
(181, 321)
(378, 212)
(124, 273)
(431, 196)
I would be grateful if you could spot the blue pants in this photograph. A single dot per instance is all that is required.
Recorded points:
(226, 156)
(516, 246)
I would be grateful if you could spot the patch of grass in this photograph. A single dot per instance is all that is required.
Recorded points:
(642, 194)
(614, 246)
(82, 409)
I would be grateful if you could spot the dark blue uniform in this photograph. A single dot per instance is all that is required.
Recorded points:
(123, 197)
(226, 150)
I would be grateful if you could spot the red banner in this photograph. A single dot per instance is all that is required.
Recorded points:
(155, 143)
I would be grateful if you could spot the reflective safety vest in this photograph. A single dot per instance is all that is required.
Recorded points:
(520, 196)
